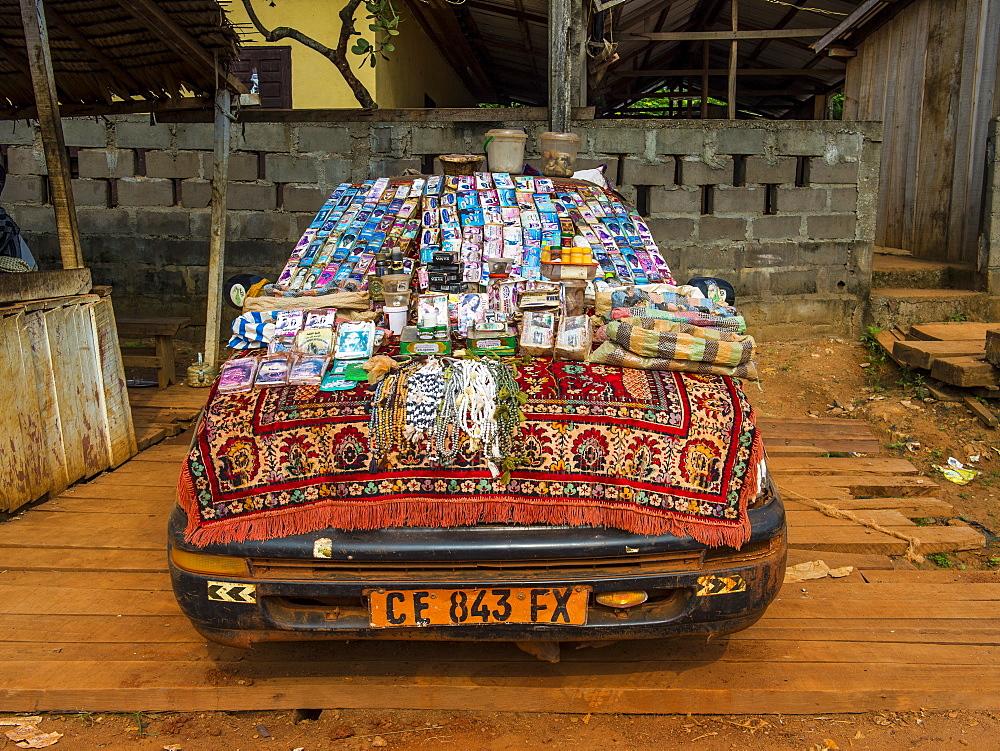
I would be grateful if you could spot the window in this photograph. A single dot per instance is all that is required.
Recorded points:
(267, 71)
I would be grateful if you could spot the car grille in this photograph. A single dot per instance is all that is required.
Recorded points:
(563, 569)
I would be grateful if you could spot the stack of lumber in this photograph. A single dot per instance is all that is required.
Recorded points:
(889, 493)
(159, 414)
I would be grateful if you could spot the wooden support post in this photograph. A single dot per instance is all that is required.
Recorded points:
(217, 236)
(36, 37)
(706, 57)
(561, 91)
(733, 49)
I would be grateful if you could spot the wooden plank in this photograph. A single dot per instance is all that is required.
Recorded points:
(839, 465)
(694, 36)
(88, 387)
(118, 413)
(776, 449)
(118, 493)
(920, 354)
(63, 345)
(951, 330)
(147, 436)
(883, 517)
(55, 600)
(935, 577)
(992, 347)
(95, 581)
(852, 539)
(24, 468)
(889, 340)
(177, 396)
(71, 530)
(44, 284)
(835, 560)
(985, 416)
(146, 327)
(110, 506)
(859, 485)
(52, 447)
(36, 38)
(141, 361)
(55, 558)
(964, 371)
(945, 539)
(914, 507)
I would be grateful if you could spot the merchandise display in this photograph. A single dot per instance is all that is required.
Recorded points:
(482, 347)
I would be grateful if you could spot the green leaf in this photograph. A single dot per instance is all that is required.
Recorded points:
(373, 27)
(392, 32)
(389, 48)
(372, 61)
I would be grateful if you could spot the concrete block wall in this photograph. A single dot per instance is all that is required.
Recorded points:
(784, 210)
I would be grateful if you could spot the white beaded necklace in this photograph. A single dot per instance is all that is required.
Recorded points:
(477, 407)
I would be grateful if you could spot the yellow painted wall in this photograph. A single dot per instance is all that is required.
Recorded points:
(415, 68)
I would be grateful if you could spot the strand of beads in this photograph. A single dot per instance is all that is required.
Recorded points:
(446, 430)
(477, 405)
(425, 389)
(509, 401)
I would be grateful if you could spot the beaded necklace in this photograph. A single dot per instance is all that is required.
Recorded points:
(424, 390)
(446, 430)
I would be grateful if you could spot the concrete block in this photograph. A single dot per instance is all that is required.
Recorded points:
(760, 170)
(335, 170)
(196, 194)
(302, 222)
(282, 168)
(16, 132)
(430, 139)
(716, 228)
(329, 140)
(163, 223)
(820, 172)
(195, 136)
(715, 260)
(24, 189)
(740, 140)
(381, 140)
(201, 224)
(142, 136)
(90, 192)
(85, 132)
(801, 140)
(263, 137)
(33, 218)
(26, 161)
(251, 197)
(776, 227)
(769, 255)
(680, 141)
(183, 164)
(303, 198)
(106, 162)
(849, 144)
(739, 200)
(241, 167)
(619, 140)
(636, 172)
(381, 168)
(844, 199)
(824, 253)
(792, 283)
(145, 192)
(800, 200)
(697, 172)
(674, 200)
(832, 226)
(666, 231)
(269, 226)
(104, 222)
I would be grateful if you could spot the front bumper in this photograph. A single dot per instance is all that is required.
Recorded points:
(692, 590)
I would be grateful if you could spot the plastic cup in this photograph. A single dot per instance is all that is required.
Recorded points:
(396, 283)
(505, 151)
(397, 317)
(396, 299)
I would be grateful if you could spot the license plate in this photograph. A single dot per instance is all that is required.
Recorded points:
(555, 606)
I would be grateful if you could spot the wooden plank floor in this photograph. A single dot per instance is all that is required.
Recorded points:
(88, 622)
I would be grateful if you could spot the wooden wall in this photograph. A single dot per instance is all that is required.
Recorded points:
(929, 74)
(67, 416)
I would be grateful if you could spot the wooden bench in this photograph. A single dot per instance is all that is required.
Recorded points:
(163, 330)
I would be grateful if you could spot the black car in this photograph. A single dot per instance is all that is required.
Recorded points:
(487, 582)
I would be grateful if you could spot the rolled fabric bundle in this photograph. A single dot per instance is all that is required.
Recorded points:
(722, 349)
(340, 301)
(732, 324)
(610, 353)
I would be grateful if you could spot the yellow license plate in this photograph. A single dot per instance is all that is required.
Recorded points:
(554, 606)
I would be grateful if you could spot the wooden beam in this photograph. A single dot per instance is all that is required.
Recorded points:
(852, 19)
(674, 72)
(217, 233)
(404, 115)
(133, 107)
(559, 65)
(682, 36)
(158, 21)
(88, 47)
(36, 37)
(733, 53)
(782, 23)
(508, 12)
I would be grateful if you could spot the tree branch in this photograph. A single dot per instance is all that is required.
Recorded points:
(336, 56)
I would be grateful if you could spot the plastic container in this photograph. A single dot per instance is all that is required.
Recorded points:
(505, 150)
(559, 153)
(395, 283)
(574, 298)
(461, 164)
(397, 317)
(396, 299)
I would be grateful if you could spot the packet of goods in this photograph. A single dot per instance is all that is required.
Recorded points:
(307, 370)
(957, 472)
(573, 341)
(237, 375)
(355, 340)
(273, 371)
(537, 333)
(315, 341)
